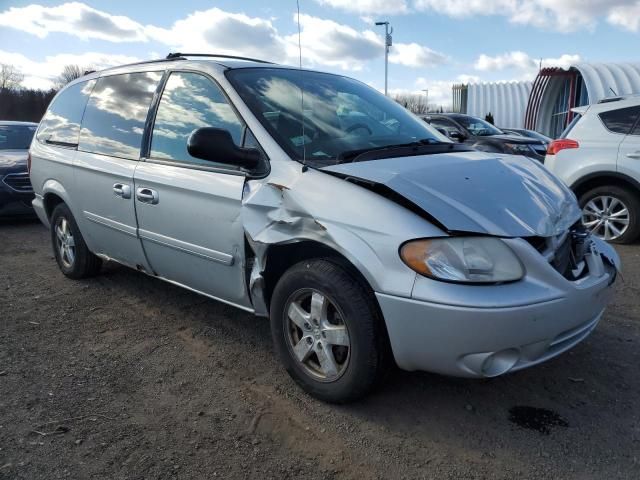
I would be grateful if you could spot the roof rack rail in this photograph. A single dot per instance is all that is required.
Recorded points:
(143, 62)
(179, 55)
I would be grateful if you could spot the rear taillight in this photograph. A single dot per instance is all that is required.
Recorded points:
(29, 162)
(562, 144)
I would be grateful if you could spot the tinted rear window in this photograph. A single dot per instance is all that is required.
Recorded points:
(61, 123)
(115, 116)
(621, 120)
(16, 137)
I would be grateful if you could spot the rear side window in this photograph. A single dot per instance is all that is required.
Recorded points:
(621, 120)
(115, 116)
(190, 101)
(61, 123)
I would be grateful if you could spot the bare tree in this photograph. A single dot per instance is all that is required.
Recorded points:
(69, 73)
(415, 103)
(10, 77)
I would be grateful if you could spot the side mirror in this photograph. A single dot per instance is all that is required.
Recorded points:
(456, 135)
(216, 145)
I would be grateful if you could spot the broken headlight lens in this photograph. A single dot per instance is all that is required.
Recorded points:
(463, 259)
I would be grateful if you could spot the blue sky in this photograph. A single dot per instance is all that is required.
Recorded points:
(436, 42)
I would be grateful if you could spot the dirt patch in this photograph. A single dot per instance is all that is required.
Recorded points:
(128, 377)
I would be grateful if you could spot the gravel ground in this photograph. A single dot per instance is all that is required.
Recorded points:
(125, 376)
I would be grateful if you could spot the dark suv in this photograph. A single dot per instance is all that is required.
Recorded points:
(16, 193)
(481, 135)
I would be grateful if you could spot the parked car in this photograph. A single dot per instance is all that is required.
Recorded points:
(364, 234)
(16, 193)
(523, 132)
(483, 136)
(598, 156)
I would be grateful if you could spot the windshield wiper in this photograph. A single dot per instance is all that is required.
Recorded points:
(354, 155)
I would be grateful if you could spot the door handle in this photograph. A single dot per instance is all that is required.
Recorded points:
(122, 190)
(635, 155)
(147, 195)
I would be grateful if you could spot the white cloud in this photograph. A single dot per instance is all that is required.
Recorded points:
(325, 42)
(41, 74)
(464, 78)
(368, 7)
(563, 15)
(516, 59)
(222, 32)
(523, 62)
(414, 55)
(75, 19)
(626, 16)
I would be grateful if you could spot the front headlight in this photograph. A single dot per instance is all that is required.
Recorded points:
(463, 259)
(518, 148)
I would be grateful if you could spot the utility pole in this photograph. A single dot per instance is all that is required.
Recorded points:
(388, 41)
(426, 92)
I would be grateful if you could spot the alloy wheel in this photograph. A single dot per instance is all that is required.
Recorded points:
(606, 217)
(317, 335)
(65, 242)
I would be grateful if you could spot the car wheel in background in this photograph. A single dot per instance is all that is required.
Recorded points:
(611, 213)
(327, 331)
(71, 252)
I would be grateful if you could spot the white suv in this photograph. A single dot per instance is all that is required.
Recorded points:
(598, 156)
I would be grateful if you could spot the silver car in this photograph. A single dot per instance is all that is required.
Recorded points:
(362, 233)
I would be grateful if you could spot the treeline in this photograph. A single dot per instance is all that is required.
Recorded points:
(24, 104)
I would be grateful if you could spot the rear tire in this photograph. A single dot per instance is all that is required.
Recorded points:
(345, 364)
(623, 205)
(71, 252)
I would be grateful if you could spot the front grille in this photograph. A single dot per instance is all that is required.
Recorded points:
(565, 252)
(19, 182)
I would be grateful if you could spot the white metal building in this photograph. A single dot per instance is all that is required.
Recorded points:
(506, 101)
(556, 91)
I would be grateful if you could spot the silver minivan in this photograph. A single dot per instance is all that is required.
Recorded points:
(365, 236)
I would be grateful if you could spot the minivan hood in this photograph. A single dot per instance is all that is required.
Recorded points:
(12, 158)
(476, 192)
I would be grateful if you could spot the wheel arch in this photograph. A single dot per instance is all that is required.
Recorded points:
(598, 179)
(281, 257)
(53, 193)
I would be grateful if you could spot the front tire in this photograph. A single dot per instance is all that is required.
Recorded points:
(71, 252)
(611, 213)
(327, 331)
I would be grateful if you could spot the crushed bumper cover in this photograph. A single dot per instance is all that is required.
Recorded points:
(505, 328)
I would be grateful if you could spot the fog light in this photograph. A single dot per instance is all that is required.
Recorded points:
(500, 362)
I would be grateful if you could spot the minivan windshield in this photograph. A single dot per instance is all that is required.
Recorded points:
(342, 117)
(16, 137)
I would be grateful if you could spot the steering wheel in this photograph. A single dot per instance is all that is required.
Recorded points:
(357, 126)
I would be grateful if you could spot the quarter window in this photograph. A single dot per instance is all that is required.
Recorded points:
(61, 123)
(621, 120)
(114, 120)
(190, 101)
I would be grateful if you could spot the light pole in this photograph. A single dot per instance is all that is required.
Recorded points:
(387, 43)
(426, 92)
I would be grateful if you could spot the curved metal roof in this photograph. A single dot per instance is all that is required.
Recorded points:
(601, 80)
(506, 101)
(607, 79)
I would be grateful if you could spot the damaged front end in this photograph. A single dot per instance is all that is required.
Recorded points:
(364, 211)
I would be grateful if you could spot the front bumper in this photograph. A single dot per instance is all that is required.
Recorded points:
(14, 203)
(485, 331)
